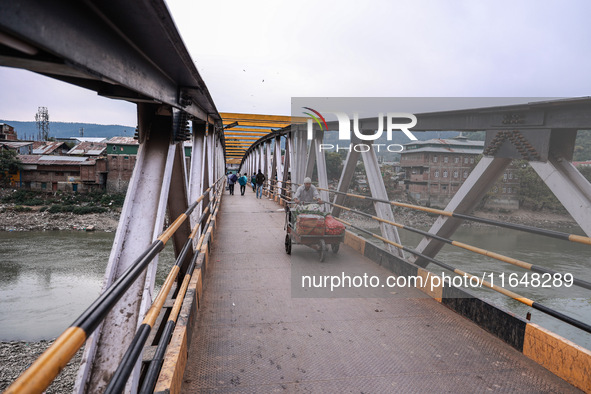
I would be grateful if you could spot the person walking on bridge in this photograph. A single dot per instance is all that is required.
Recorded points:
(232, 178)
(260, 181)
(243, 180)
(253, 180)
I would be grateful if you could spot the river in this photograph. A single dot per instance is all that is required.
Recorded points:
(48, 278)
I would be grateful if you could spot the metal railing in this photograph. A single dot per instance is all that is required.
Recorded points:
(47, 366)
(497, 256)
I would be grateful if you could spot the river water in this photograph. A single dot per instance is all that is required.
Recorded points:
(48, 278)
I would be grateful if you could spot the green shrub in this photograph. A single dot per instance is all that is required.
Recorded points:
(20, 208)
(33, 201)
(88, 209)
(60, 208)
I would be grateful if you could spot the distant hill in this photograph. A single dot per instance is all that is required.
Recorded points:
(28, 130)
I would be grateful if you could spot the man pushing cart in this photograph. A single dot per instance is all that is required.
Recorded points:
(306, 224)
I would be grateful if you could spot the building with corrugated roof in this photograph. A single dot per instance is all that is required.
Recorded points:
(89, 148)
(50, 148)
(63, 173)
(21, 147)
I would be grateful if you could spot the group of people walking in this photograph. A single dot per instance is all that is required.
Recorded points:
(257, 180)
(306, 193)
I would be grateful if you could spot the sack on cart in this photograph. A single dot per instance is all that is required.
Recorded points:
(333, 226)
(310, 224)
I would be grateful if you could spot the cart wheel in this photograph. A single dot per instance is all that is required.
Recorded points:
(287, 244)
(335, 248)
(322, 250)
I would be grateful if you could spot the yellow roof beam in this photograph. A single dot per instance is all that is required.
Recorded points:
(229, 137)
(255, 123)
(249, 129)
(236, 117)
(227, 133)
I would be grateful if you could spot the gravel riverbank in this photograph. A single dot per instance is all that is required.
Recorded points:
(11, 220)
(18, 356)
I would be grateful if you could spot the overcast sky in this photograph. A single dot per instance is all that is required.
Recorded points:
(255, 55)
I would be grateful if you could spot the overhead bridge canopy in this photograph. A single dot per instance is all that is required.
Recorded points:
(242, 130)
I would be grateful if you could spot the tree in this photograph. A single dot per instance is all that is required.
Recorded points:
(585, 171)
(533, 192)
(334, 165)
(9, 165)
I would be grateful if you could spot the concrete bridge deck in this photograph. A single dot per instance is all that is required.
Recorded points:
(255, 335)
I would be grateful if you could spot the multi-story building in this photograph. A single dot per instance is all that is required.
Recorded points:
(121, 157)
(7, 132)
(435, 169)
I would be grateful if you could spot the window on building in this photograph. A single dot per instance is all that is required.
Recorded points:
(434, 159)
(456, 159)
(504, 190)
(43, 172)
(465, 174)
(455, 174)
(471, 160)
(436, 173)
(445, 159)
(509, 190)
(505, 176)
(510, 175)
(43, 185)
(59, 173)
(465, 160)
(445, 173)
(114, 148)
(125, 157)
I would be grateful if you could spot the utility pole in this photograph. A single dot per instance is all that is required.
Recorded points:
(42, 119)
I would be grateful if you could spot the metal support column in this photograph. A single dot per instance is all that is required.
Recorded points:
(570, 187)
(178, 202)
(480, 180)
(378, 190)
(345, 180)
(321, 166)
(141, 221)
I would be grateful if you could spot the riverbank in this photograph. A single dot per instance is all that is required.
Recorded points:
(35, 220)
(18, 356)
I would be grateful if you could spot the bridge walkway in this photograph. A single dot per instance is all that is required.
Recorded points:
(254, 335)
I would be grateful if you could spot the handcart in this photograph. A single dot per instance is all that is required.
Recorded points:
(314, 239)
